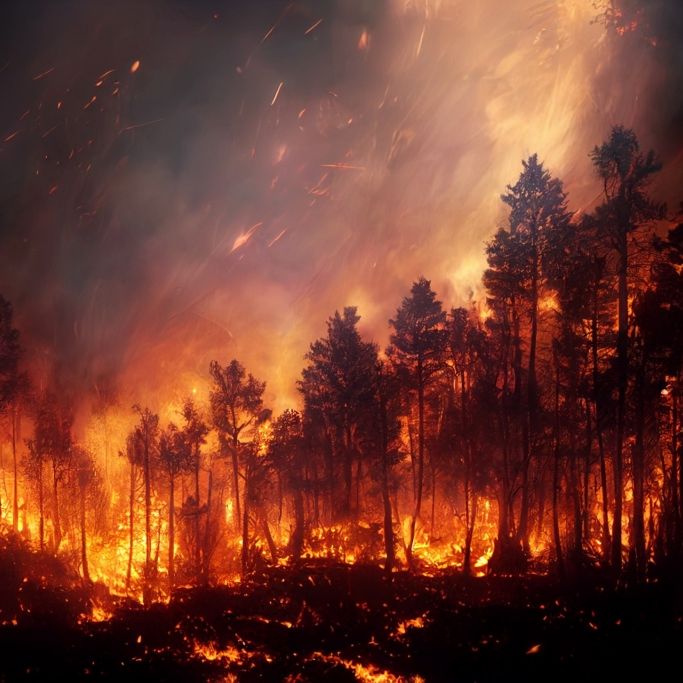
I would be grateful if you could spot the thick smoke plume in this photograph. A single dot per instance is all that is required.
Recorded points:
(182, 181)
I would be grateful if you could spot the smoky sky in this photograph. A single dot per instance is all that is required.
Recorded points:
(182, 181)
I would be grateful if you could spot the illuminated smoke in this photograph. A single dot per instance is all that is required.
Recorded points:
(183, 181)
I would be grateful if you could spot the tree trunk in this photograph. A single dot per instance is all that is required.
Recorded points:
(245, 519)
(57, 524)
(532, 398)
(586, 471)
(606, 541)
(420, 465)
(236, 483)
(556, 475)
(84, 547)
(638, 471)
(131, 513)
(622, 383)
(41, 510)
(386, 500)
(148, 522)
(297, 540)
(15, 468)
(171, 534)
(198, 545)
(207, 530)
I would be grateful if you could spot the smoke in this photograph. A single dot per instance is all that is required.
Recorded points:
(267, 163)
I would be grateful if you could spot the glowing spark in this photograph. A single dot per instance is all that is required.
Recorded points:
(135, 66)
(277, 93)
(53, 189)
(312, 27)
(92, 99)
(419, 42)
(140, 125)
(344, 167)
(11, 136)
(277, 237)
(44, 73)
(47, 132)
(364, 40)
(101, 77)
(533, 649)
(244, 237)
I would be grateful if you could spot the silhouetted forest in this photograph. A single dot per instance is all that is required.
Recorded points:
(536, 431)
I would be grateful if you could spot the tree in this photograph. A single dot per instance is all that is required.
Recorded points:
(337, 382)
(88, 481)
(286, 453)
(10, 387)
(416, 351)
(236, 405)
(625, 173)
(386, 417)
(145, 443)
(195, 431)
(133, 456)
(175, 458)
(537, 204)
(51, 445)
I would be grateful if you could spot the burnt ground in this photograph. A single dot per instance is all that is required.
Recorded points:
(340, 623)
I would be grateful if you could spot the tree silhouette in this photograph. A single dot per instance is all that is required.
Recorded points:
(416, 351)
(236, 405)
(625, 173)
(338, 382)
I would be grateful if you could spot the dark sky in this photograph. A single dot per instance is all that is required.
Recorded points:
(268, 162)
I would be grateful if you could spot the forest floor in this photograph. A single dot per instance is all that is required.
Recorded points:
(333, 622)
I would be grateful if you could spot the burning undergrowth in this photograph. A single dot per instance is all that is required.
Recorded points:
(325, 620)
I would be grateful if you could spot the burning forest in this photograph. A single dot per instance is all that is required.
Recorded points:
(341, 340)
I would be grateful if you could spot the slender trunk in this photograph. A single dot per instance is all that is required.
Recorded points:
(587, 470)
(532, 399)
(420, 464)
(297, 541)
(84, 547)
(272, 548)
(41, 511)
(638, 467)
(606, 541)
(556, 475)
(55, 494)
(15, 471)
(432, 521)
(245, 518)
(575, 494)
(386, 500)
(519, 404)
(348, 471)
(505, 495)
(171, 533)
(359, 478)
(280, 500)
(197, 544)
(131, 512)
(674, 466)
(148, 522)
(236, 482)
(622, 382)
(472, 516)
(206, 555)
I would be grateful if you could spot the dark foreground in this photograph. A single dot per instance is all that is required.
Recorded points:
(338, 623)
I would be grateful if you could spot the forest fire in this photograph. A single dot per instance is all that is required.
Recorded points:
(341, 340)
